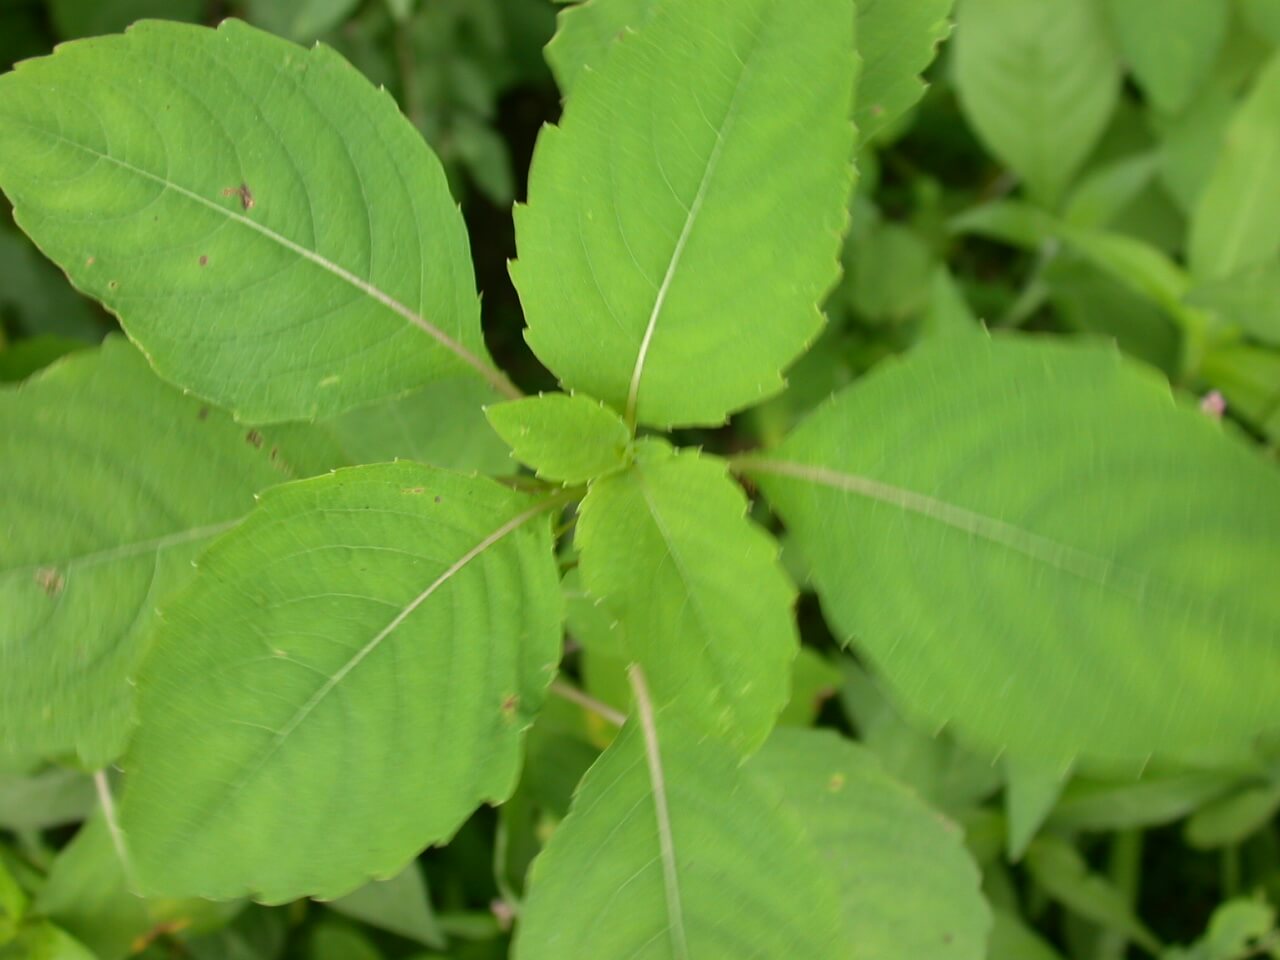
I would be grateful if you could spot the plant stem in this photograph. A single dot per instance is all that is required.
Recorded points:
(108, 804)
(574, 695)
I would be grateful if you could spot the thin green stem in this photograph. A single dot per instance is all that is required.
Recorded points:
(602, 710)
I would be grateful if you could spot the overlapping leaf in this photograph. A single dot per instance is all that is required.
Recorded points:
(1038, 80)
(1170, 52)
(897, 42)
(681, 229)
(1236, 223)
(809, 850)
(696, 589)
(112, 482)
(570, 438)
(264, 222)
(348, 676)
(1038, 542)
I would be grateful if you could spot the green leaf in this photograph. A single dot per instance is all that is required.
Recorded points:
(87, 895)
(1011, 939)
(1263, 18)
(700, 599)
(1250, 378)
(1234, 818)
(400, 905)
(908, 889)
(1152, 801)
(1063, 873)
(814, 681)
(1057, 485)
(113, 481)
(897, 41)
(1191, 142)
(570, 438)
(88, 18)
(585, 33)
(340, 941)
(679, 298)
(1030, 794)
(51, 798)
(396, 605)
(1236, 223)
(441, 424)
(1170, 50)
(1037, 80)
(948, 313)
(19, 360)
(1247, 299)
(264, 222)
(1235, 925)
(301, 20)
(672, 852)
(44, 941)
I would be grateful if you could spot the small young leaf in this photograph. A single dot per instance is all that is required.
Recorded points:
(395, 605)
(570, 438)
(1232, 819)
(1038, 80)
(672, 852)
(1015, 490)
(1152, 801)
(896, 41)
(680, 298)
(1029, 795)
(52, 798)
(1236, 223)
(1170, 51)
(264, 222)
(700, 599)
(113, 481)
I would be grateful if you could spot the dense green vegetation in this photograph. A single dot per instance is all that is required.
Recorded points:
(680, 479)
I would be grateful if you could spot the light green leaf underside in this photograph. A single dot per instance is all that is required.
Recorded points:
(112, 482)
(265, 223)
(720, 874)
(1236, 223)
(400, 905)
(1037, 80)
(441, 424)
(680, 229)
(395, 605)
(699, 597)
(586, 31)
(897, 41)
(908, 888)
(1037, 541)
(1170, 51)
(567, 438)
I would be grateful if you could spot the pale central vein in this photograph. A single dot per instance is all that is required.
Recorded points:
(491, 374)
(1085, 565)
(127, 550)
(691, 216)
(666, 841)
(316, 698)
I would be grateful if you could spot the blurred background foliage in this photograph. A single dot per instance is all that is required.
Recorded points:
(1180, 864)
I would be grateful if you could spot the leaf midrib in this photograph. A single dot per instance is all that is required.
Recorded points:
(691, 216)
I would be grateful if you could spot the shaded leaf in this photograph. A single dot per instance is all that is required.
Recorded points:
(1170, 52)
(400, 905)
(897, 41)
(114, 481)
(1037, 80)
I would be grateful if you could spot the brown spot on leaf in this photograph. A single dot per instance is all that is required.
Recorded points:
(836, 783)
(204, 261)
(243, 192)
(50, 580)
(255, 438)
(509, 705)
(275, 452)
(202, 413)
(90, 261)
(415, 491)
(111, 284)
(438, 499)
